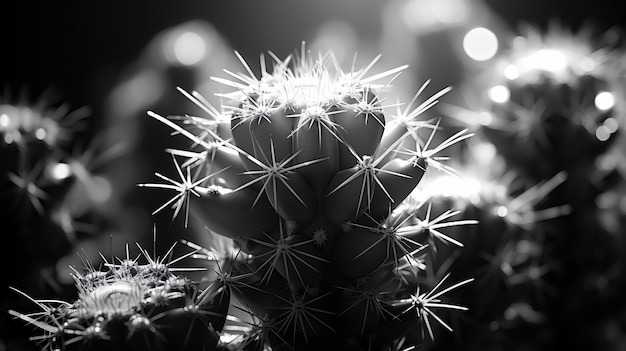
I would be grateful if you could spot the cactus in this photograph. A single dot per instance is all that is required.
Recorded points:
(551, 115)
(307, 173)
(556, 93)
(131, 305)
(52, 194)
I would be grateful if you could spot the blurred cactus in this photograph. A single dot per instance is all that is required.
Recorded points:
(557, 95)
(307, 174)
(550, 110)
(52, 195)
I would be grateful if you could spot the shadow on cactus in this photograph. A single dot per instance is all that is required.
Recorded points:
(306, 171)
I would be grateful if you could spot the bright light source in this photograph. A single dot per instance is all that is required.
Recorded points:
(511, 72)
(4, 120)
(189, 48)
(480, 44)
(502, 211)
(551, 60)
(499, 94)
(430, 15)
(604, 101)
(59, 171)
(449, 186)
(40, 133)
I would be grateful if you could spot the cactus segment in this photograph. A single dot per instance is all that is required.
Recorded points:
(316, 138)
(398, 178)
(364, 306)
(271, 136)
(360, 112)
(359, 252)
(307, 266)
(220, 209)
(341, 205)
(295, 257)
(292, 198)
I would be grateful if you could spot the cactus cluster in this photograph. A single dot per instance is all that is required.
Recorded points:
(50, 191)
(550, 112)
(308, 174)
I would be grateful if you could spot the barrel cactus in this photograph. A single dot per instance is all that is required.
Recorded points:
(307, 172)
(139, 303)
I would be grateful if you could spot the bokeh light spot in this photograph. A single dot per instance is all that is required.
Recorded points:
(4, 120)
(603, 133)
(59, 171)
(499, 94)
(611, 124)
(502, 211)
(511, 72)
(40, 133)
(189, 48)
(604, 100)
(480, 44)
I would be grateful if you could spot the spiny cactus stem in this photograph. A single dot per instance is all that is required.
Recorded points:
(422, 303)
(367, 166)
(433, 226)
(300, 315)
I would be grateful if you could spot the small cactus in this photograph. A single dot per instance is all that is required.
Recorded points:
(308, 173)
(131, 305)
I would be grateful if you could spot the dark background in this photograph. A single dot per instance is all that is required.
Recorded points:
(80, 47)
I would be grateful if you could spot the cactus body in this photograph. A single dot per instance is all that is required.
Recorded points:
(317, 172)
(134, 306)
